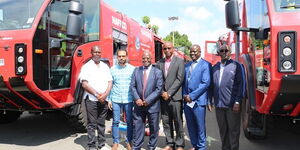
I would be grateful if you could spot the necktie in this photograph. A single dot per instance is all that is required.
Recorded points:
(145, 78)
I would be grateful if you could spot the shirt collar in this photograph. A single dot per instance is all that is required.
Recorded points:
(170, 59)
(198, 60)
(119, 66)
(149, 67)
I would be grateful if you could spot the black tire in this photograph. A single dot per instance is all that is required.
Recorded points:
(79, 121)
(253, 123)
(9, 116)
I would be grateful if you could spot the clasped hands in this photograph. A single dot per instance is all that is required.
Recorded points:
(141, 102)
(165, 96)
(101, 98)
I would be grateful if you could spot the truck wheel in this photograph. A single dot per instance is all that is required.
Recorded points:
(79, 120)
(9, 116)
(253, 123)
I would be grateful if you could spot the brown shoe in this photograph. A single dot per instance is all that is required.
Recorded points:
(167, 148)
(129, 146)
(115, 146)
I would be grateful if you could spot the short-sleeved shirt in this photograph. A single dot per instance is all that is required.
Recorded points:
(97, 76)
(120, 92)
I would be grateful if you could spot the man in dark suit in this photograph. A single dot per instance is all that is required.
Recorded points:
(146, 87)
(171, 98)
(195, 93)
(228, 88)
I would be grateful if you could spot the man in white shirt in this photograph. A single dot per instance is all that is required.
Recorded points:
(96, 80)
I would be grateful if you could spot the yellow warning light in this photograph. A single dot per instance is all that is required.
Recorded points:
(39, 51)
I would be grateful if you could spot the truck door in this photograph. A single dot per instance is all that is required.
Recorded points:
(52, 63)
(120, 42)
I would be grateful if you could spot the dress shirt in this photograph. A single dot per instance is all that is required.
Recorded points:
(222, 66)
(147, 70)
(97, 77)
(193, 65)
(167, 65)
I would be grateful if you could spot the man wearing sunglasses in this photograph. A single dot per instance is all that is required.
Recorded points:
(171, 98)
(227, 95)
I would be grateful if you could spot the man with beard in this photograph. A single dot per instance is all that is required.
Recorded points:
(196, 93)
(171, 98)
(146, 86)
(96, 81)
(120, 97)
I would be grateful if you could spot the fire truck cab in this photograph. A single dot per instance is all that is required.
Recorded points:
(270, 33)
(44, 43)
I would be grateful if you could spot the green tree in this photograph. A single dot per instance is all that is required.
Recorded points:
(180, 41)
(146, 20)
(155, 29)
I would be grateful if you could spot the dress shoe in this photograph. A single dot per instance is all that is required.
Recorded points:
(167, 148)
(115, 146)
(91, 148)
(129, 146)
(179, 148)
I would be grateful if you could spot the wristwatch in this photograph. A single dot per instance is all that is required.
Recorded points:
(96, 94)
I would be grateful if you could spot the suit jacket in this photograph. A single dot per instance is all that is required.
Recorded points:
(153, 88)
(231, 87)
(197, 87)
(174, 79)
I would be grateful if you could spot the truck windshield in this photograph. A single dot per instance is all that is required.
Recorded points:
(18, 14)
(287, 5)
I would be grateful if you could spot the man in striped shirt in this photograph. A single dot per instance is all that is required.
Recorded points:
(120, 97)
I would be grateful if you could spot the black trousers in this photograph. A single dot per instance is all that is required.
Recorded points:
(171, 115)
(229, 123)
(96, 114)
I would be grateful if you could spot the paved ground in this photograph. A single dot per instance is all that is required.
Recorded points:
(52, 132)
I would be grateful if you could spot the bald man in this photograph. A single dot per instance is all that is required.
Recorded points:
(171, 98)
(146, 87)
(195, 93)
(96, 80)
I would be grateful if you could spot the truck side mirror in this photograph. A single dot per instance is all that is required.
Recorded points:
(74, 21)
(262, 34)
(232, 14)
(55, 43)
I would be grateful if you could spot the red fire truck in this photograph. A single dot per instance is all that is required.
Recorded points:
(270, 33)
(44, 43)
(210, 53)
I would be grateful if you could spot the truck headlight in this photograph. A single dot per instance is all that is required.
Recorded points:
(20, 59)
(20, 69)
(287, 65)
(287, 51)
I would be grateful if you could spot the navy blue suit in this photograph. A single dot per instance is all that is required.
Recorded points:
(225, 93)
(232, 84)
(153, 91)
(196, 85)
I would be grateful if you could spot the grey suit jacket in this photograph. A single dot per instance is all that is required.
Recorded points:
(175, 77)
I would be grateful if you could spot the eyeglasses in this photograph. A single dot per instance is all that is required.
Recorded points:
(168, 48)
(223, 50)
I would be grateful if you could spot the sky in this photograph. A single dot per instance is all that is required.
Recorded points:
(199, 19)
